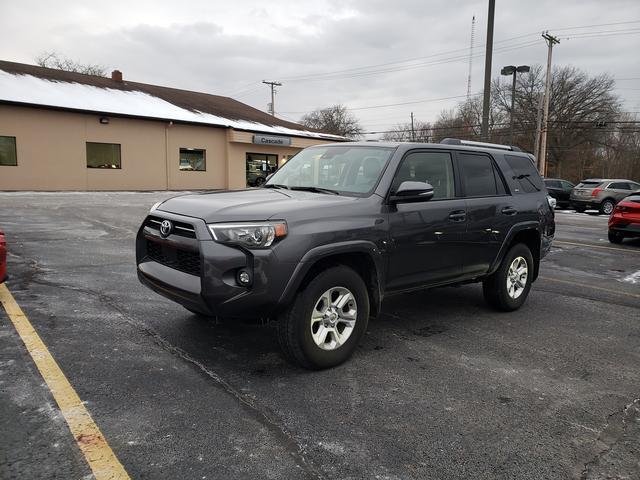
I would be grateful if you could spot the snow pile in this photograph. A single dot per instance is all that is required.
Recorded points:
(39, 91)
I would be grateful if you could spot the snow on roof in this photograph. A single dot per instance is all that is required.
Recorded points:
(29, 89)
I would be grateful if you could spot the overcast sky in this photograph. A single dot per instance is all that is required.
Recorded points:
(362, 53)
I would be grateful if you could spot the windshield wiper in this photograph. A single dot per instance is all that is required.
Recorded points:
(316, 190)
(526, 176)
(275, 185)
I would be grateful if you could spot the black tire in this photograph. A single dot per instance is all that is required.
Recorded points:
(260, 181)
(294, 325)
(495, 286)
(607, 206)
(615, 237)
(579, 209)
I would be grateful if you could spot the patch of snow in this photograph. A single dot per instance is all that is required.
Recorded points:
(39, 91)
(634, 278)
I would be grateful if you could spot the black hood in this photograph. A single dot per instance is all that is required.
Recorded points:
(252, 204)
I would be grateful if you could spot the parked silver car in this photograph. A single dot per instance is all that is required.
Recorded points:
(601, 193)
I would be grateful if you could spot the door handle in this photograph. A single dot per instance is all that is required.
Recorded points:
(458, 216)
(509, 211)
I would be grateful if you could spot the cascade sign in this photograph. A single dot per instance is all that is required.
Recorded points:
(271, 140)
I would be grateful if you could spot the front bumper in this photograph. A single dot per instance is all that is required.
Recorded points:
(211, 287)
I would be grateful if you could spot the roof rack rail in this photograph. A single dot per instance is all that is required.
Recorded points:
(471, 143)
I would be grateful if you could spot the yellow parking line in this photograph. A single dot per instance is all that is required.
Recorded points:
(585, 285)
(591, 245)
(89, 438)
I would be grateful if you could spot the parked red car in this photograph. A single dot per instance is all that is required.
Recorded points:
(3, 257)
(625, 220)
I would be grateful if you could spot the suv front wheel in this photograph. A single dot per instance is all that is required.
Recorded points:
(508, 287)
(326, 321)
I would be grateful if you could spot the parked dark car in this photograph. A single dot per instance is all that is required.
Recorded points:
(3, 257)
(560, 190)
(601, 194)
(625, 220)
(340, 227)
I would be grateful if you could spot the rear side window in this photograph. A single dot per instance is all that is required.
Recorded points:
(479, 176)
(620, 186)
(525, 173)
(567, 185)
(588, 184)
(553, 184)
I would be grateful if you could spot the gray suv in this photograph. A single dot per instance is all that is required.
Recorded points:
(340, 227)
(601, 194)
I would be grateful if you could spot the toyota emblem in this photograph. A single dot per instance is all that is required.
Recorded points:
(165, 228)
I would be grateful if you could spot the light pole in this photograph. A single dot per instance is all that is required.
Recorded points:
(513, 70)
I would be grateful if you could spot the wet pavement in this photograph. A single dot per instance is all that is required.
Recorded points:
(441, 386)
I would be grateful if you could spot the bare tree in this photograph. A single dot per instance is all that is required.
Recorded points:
(402, 132)
(584, 137)
(336, 120)
(55, 60)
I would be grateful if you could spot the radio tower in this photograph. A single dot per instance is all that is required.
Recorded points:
(473, 37)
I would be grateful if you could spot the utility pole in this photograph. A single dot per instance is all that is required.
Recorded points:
(536, 147)
(272, 110)
(551, 41)
(413, 132)
(487, 72)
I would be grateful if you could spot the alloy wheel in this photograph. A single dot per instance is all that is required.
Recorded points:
(333, 318)
(517, 277)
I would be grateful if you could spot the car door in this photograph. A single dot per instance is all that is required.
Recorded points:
(618, 190)
(426, 236)
(490, 210)
(554, 187)
(566, 190)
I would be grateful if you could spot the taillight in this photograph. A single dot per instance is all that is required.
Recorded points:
(595, 192)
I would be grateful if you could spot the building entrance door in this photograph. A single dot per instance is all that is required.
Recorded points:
(259, 167)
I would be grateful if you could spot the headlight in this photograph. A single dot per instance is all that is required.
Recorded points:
(155, 205)
(249, 235)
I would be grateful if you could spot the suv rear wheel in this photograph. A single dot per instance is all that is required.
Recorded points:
(615, 237)
(508, 287)
(326, 321)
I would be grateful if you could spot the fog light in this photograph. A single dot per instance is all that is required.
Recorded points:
(244, 278)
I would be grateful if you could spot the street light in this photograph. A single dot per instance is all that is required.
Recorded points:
(513, 70)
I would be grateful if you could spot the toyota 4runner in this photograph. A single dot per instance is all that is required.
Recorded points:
(339, 227)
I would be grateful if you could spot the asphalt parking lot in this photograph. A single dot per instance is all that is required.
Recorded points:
(442, 386)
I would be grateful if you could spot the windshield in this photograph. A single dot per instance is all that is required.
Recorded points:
(345, 169)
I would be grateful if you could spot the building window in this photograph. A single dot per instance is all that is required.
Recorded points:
(103, 155)
(259, 167)
(8, 156)
(193, 160)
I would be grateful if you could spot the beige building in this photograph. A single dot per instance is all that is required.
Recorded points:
(68, 131)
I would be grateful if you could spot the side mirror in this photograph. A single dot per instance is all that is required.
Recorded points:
(412, 192)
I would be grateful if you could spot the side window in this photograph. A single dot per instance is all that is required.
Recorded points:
(552, 184)
(567, 185)
(479, 176)
(634, 186)
(434, 168)
(8, 154)
(524, 171)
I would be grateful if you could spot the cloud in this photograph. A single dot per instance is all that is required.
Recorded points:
(229, 48)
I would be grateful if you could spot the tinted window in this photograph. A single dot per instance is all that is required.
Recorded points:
(634, 186)
(8, 151)
(103, 155)
(525, 173)
(589, 184)
(553, 184)
(434, 168)
(567, 185)
(479, 176)
(619, 186)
